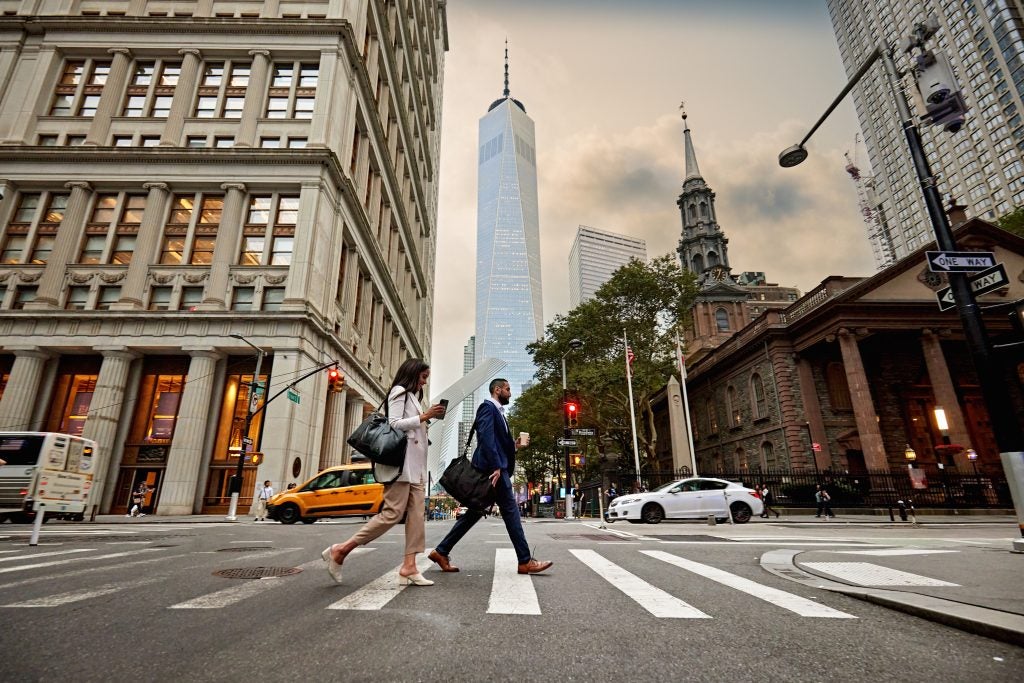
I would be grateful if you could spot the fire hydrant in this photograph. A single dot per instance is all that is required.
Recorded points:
(903, 509)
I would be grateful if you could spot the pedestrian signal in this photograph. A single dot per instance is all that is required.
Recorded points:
(578, 460)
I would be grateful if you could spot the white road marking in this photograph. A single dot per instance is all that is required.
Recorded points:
(894, 552)
(379, 592)
(239, 592)
(79, 572)
(244, 542)
(793, 603)
(511, 592)
(616, 532)
(867, 574)
(7, 570)
(55, 552)
(83, 594)
(654, 600)
(738, 543)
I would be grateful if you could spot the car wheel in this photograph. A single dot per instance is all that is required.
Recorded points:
(741, 513)
(21, 518)
(289, 514)
(652, 513)
(308, 520)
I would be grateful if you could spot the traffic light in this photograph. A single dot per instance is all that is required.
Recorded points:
(335, 380)
(578, 460)
(572, 410)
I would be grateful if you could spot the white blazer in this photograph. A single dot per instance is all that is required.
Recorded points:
(404, 414)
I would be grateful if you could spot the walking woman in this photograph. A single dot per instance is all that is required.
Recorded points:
(404, 487)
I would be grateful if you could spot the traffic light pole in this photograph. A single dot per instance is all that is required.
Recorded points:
(566, 434)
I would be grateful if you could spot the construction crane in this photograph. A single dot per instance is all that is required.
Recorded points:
(871, 211)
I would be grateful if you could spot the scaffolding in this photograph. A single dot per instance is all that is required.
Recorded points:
(879, 234)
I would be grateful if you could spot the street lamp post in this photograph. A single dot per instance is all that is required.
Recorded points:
(236, 480)
(1006, 428)
(574, 344)
(972, 455)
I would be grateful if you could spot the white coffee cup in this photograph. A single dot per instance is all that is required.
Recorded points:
(524, 439)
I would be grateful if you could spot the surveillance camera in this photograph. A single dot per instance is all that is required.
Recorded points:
(935, 77)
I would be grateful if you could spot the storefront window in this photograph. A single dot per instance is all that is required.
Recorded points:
(234, 408)
(164, 413)
(76, 409)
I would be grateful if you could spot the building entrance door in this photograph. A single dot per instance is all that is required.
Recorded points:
(128, 481)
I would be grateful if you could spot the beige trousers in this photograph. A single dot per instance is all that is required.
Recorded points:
(260, 511)
(399, 498)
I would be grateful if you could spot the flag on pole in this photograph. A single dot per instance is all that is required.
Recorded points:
(629, 357)
(681, 358)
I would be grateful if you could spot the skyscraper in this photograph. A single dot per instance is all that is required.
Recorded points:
(980, 166)
(594, 256)
(508, 290)
(468, 407)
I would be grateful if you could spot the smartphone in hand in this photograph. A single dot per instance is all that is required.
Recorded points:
(444, 404)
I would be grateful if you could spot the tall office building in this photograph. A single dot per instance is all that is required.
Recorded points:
(980, 166)
(178, 172)
(508, 289)
(468, 411)
(594, 256)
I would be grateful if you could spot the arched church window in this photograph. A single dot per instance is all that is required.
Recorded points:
(698, 263)
(709, 407)
(732, 407)
(722, 319)
(692, 211)
(767, 454)
(757, 393)
(838, 388)
(703, 209)
(712, 259)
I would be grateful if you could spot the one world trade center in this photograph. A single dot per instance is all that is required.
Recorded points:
(508, 289)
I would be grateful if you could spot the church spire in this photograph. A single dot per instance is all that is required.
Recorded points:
(505, 92)
(692, 171)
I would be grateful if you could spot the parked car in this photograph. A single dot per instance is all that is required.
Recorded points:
(693, 498)
(344, 491)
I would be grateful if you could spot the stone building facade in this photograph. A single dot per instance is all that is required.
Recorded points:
(175, 172)
(858, 366)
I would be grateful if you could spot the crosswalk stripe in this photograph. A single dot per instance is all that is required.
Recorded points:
(379, 592)
(239, 592)
(793, 603)
(90, 570)
(895, 552)
(868, 574)
(511, 592)
(7, 570)
(56, 552)
(654, 600)
(80, 595)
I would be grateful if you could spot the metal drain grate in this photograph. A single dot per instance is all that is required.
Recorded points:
(244, 549)
(256, 572)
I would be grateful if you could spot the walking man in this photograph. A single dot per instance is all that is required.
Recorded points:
(495, 453)
(263, 494)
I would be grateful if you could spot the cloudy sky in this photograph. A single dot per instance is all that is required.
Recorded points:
(602, 80)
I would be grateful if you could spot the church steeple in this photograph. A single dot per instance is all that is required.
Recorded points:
(703, 246)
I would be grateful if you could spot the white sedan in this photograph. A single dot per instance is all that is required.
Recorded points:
(694, 498)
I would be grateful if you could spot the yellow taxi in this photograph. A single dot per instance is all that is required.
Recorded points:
(341, 491)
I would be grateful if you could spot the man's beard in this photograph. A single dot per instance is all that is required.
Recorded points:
(503, 400)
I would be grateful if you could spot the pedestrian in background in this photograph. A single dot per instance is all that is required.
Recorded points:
(822, 498)
(138, 500)
(768, 499)
(263, 495)
(613, 493)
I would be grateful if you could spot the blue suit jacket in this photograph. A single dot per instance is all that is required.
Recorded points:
(495, 447)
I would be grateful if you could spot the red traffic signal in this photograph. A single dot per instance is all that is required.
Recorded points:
(572, 410)
(335, 380)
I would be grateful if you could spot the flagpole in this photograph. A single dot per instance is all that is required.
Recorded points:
(686, 403)
(632, 412)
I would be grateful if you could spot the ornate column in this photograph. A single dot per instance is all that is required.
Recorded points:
(333, 447)
(255, 94)
(863, 406)
(323, 108)
(105, 411)
(945, 396)
(19, 397)
(184, 94)
(111, 98)
(225, 251)
(64, 247)
(354, 417)
(178, 496)
(133, 289)
(812, 414)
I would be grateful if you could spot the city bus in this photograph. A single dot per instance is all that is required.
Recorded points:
(44, 469)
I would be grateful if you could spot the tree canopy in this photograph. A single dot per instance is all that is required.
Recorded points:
(1013, 221)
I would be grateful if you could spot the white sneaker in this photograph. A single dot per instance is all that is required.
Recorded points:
(142, 514)
(127, 515)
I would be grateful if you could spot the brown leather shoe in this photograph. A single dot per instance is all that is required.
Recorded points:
(534, 566)
(442, 561)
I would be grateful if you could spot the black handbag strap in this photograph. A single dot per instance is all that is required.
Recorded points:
(469, 439)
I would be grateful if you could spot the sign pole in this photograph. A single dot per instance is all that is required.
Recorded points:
(37, 524)
(686, 404)
(632, 411)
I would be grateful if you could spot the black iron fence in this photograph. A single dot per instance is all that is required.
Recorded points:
(927, 486)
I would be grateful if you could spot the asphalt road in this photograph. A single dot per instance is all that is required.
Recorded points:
(681, 602)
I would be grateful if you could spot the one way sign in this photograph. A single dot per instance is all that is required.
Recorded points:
(959, 261)
(985, 281)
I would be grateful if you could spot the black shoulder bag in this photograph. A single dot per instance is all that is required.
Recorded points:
(378, 440)
(465, 483)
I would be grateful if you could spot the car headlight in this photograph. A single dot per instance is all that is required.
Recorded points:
(628, 500)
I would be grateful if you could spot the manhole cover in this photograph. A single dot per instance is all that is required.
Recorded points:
(244, 549)
(256, 572)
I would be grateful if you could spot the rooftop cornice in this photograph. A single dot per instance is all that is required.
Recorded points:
(176, 25)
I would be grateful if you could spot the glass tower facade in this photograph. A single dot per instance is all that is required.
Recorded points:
(508, 288)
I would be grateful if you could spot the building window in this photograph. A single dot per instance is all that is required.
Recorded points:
(14, 246)
(108, 297)
(733, 407)
(270, 143)
(150, 140)
(151, 90)
(78, 91)
(709, 407)
(202, 250)
(759, 404)
(838, 388)
(273, 297)
(222, 90)
(74, 140)
(271, 219)
(292, 91)
(202, 224)
(77, 299)
(767, 454)
(76, 408)
(296, 143)
(164, 413)
(241, 299)
(195, 141)
(190, 298)
(23, 295)
(223, 141)
(722, 320)
(47, 141)
(92, 249)
(159, 298)
(122, 141)
(252, 250)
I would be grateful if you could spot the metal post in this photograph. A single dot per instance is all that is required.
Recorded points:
(236, 481)
(37, 524)
(566, 449)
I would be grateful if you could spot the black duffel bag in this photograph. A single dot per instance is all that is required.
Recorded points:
(378, 440)
(465, 483)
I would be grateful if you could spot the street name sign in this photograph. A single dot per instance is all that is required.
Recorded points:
(566, 442)
(583, 431)
(959, 261)
(981, 283)
(293, 396)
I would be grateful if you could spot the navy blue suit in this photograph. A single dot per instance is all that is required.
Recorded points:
(495, 450)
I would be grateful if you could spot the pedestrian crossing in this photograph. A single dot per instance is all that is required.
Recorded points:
(630, 574)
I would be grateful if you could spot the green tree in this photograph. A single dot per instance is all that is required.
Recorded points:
(1013, 221)
(649, 301)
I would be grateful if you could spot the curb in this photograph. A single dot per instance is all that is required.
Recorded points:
(1004, 626)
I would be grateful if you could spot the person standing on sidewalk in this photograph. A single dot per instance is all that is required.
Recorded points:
(263, 496)
(822, 498)
(139, 500)
(495, 453)
(767, 499)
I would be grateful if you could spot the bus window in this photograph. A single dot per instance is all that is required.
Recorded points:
(21, 450)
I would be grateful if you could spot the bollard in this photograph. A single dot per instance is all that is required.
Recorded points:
(712, 521)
